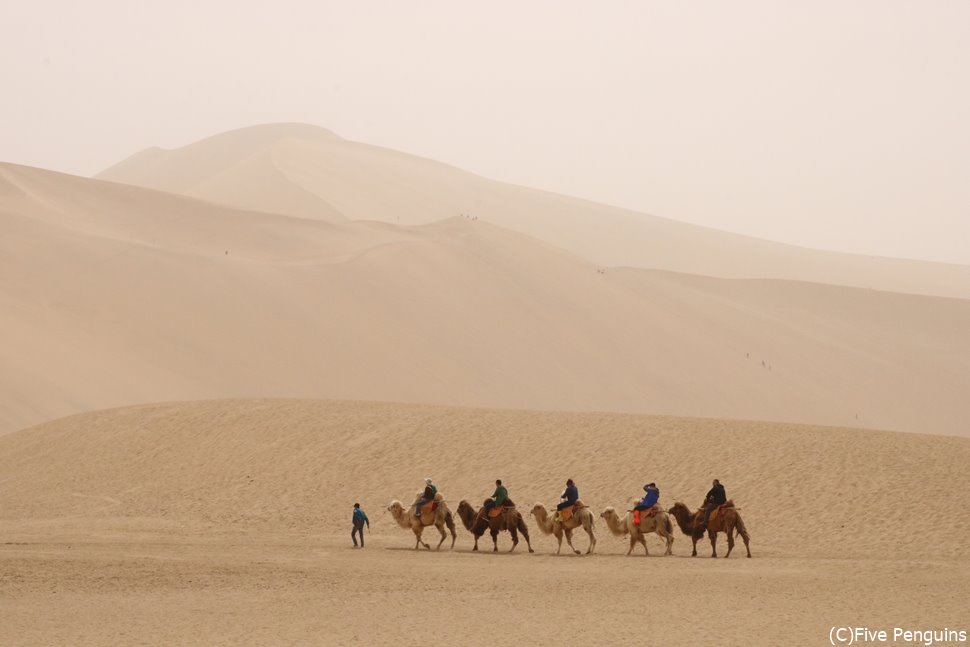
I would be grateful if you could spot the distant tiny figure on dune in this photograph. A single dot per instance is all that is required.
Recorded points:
(360, 518)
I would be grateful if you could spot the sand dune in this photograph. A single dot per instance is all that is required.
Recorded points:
(305, 171)
(114, 295)
(226, 522)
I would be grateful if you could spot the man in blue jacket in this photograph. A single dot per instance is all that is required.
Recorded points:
(650, 498)
(360, 518)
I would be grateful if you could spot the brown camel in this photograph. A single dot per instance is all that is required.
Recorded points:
(477, 523)
(406, 518)
(659, 523)
(583, 517)
(728, 520)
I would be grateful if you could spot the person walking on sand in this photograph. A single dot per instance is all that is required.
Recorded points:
(360, 518)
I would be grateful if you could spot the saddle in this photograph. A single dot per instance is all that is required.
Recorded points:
(644, 514)
(567, 513)
(728, 504)
(494, 512)
(429, 509)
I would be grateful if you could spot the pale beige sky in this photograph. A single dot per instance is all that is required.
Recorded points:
(839, 125)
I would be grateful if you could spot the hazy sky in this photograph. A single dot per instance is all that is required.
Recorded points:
(841, 125)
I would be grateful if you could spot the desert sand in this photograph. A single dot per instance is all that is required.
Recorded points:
(210, 353)
(116, 295)
(311, 172)
(228, 522)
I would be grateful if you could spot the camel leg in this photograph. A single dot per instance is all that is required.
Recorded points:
(643, 542)
(444, 535)
(569, 539)
(418, 542)
(694, 550)
(730, 538)
(515, 538)
(559, 537)
(494, 540)
(592, 539)
(668, 539)
(745, 537)
(633, 542)
(713, 536)
(525, 533)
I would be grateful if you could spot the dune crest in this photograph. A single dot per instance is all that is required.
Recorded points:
(309, 172)
(116, 295)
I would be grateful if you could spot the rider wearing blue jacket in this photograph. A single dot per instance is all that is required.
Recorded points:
(650, 498)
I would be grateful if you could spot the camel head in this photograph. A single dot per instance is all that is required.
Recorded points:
(616, 525)
(679, 508)
(537, 508)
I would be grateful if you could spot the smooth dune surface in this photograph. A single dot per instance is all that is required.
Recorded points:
(114, 295)
(228, 521)
(307, 171)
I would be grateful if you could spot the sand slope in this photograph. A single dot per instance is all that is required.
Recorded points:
(113, 295)
(307, 171)
(300, 464)
(228, 522)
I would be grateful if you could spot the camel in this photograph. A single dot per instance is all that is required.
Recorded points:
(728, 520)
(583, 516)
(406, 518)
(659, 523)
(476, 523)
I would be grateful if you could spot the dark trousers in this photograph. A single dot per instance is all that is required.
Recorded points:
(353, 533)
(489, 504)
(708, 509)
(562, 506)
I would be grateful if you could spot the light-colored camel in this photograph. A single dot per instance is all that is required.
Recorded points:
(659, 523)
(549, 525)
(728, 520)
(406, 518)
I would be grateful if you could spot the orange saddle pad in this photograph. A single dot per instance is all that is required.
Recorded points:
(567, 513)
(640, 514)
(429, 508)
(496, 511)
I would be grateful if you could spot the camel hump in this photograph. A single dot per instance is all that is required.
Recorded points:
(439, 497)
(579, 504)
(729, 504)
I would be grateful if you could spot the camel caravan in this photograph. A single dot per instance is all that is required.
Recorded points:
(644, 517)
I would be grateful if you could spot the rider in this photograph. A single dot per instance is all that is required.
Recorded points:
(430, 489)
(498, 497)
(650, 498)
(568, 498)
(715, 497)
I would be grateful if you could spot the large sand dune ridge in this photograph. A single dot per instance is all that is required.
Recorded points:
(115, 295)
(308, 171)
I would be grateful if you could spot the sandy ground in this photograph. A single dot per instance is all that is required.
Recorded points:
(109, 586)
(228, 523)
